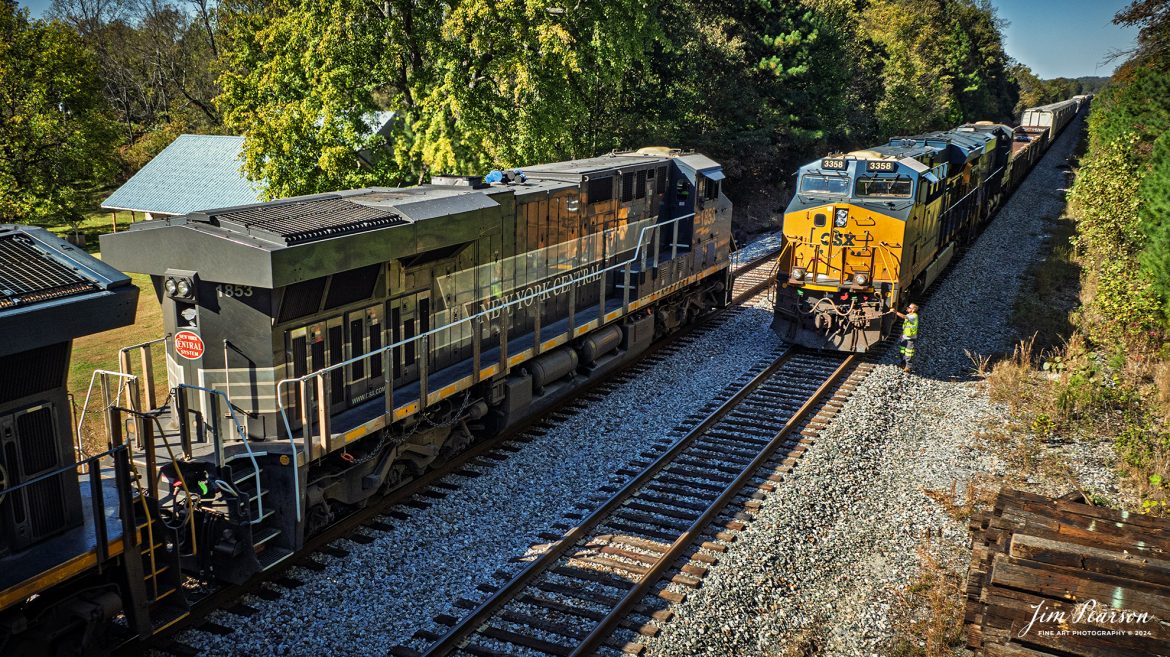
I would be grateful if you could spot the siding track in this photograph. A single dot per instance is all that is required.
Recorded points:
(597, 587)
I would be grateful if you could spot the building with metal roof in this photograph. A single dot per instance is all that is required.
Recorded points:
(195, 172)
(203, 172)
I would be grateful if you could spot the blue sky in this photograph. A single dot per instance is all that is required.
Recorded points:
(1065, 38)
(1056, 38)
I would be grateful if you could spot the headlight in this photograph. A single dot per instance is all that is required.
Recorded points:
(170, 287)
(860, 279)
(183, 288)
(798, 273)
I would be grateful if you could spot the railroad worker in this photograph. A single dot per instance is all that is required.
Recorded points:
(909, 334)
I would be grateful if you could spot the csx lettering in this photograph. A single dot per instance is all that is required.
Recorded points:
(839, 239)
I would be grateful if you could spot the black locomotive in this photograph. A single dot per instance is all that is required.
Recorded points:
(68, 554)
(322, 350)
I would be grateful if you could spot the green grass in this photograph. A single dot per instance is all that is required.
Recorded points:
(96, 223)
(100, 351)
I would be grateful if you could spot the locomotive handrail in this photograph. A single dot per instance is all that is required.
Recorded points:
(981, 184)
(91, 466)
(243, 438)
(147, 365)
(638, 254)
(130, 379)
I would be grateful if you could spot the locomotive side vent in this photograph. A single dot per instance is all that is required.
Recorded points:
(31, 372)
(301, 299)
(352, 285)
(31, 448)
(28, 275)
(38, 452)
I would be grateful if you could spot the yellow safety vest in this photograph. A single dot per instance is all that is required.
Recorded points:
(910, 326)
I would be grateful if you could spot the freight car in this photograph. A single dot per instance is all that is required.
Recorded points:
(1054, 117)
(69, 561)
(868, 230)
(325, 348)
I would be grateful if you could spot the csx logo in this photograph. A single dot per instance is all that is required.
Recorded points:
(838, 239)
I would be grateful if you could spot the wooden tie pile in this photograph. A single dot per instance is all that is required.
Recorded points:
(1050, 577)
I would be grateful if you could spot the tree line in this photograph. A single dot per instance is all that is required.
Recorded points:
(760, 85)
(1120, 198)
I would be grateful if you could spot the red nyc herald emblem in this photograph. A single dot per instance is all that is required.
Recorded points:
(188, 345)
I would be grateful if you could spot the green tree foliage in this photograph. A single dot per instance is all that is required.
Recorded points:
(944, 63)
(56, 131)
(524, 80)
(474, 84)
(1154, 196)
(1138, 104)
(762, 85)
(1120, 196)
(1035, 92)
(302, 79)
(1120, 307)
(757, 85)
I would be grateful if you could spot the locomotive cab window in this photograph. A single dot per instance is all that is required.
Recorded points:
(885, 186)
(824, 185)
(710, 189)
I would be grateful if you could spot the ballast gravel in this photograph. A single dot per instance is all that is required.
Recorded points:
(756, 248)
(820, 568)
(383, 592)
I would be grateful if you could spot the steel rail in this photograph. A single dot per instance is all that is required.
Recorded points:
(607, 625)
(351, 523)
(467, 626)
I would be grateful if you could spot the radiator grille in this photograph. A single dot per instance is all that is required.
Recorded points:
(352, 285)
(31, 372)
(46, 506)
(301, 299)
(32, 450)
(296, 222)
(38, 444)
(28, 275)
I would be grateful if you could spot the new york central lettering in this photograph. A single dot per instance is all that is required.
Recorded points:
(527, 296)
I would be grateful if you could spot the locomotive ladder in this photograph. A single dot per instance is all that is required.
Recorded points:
(156, 599)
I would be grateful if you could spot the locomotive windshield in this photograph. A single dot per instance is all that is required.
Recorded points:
(884, 186)
(812, 184)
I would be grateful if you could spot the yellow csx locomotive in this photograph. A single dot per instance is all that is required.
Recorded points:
(868, 230)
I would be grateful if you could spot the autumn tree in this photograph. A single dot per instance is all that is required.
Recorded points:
(56, 130)
(156, 60)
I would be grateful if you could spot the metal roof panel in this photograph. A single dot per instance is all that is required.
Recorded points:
(195, 172)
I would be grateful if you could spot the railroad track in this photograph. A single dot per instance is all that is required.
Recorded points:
(750, 279)
(612, 576)
(755, 274)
